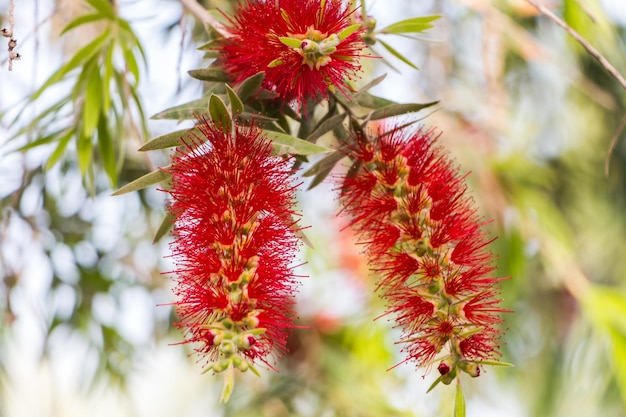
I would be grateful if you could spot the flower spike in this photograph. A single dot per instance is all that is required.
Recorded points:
(306, 48)
(234, 243)
(409, 207)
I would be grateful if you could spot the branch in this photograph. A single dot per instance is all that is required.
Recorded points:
(205, 17)
(582, 41)
(8, 33)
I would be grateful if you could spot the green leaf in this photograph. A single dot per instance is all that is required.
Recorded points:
(459, 401)
(397, 54)
(128, 33)
(219, 113)
(54, 109)
(236, 105)
(93, 102)
(434, 384)
(84, 54)
(383, 60)
(493, 363)
(210, 45)
(218, 16)
(164, 227)
(348, 31)
(399, 109)
(84, 152)
(107, 150)
(372, 102)
(249, 86)
(81, 20)
(229, 383)
(371, 84)
(248, 117)
(106, 80)
(322, 168)
(186, 111)
(59, 150)
(413, 25)
(131, 62)
(170, 140)
(291, 42)
(145, 181)
(326, 126)
(103, 6)
(287, 144)
(209, 74)
(41, 141)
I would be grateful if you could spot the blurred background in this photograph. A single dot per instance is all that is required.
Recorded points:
(85, 320)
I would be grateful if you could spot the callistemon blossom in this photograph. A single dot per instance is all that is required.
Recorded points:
(305, 47)
(422, 235)
(234, 244)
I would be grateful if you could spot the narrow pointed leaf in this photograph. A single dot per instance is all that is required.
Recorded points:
(434, 384)
(77, 60)
(322, 168)
(107, 151)
(131, 63)
(145, 181)
(494, 363)
(398, 54)
(84, 150)
(210, 45)
(399, 109)
(291, 42)
(170, 140)
(164, 227)
(187, 111)
(81, 20)
(93, 102)
(106, 80)
(59, 151)
(348, 31)
(209, 74)
(373, 102)
(459, 401)
(219, 113)
(236, 106)
(326, 126)
(371, 84)
(249, 86)
(287, 144)
(413, 25)
(41, 141)
(103, 6)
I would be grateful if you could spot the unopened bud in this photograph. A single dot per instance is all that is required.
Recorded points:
(446, 366)
(471, 368)
(221, 365)
(241, 364)
(246, 341)
(227, 347)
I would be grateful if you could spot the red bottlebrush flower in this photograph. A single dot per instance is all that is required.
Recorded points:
(408, 206)
(305, 47)
(235, 240)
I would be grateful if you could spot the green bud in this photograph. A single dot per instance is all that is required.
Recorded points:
(251, 321)
(227, 347)
(471, 368)
(241, 364)
(221, 366)
(449, 377)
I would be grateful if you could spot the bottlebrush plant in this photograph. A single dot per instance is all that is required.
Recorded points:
(283, 74)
